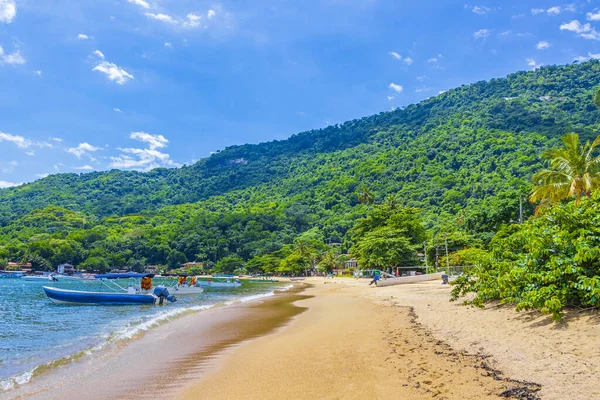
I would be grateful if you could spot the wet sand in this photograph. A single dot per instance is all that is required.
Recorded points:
(346, 347)
(167, 358)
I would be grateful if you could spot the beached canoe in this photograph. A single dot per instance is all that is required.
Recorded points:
(402, 280)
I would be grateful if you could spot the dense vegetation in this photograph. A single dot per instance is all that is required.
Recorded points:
(548, 263)
(452, 167)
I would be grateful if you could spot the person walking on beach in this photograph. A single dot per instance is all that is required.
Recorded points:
(375, 279)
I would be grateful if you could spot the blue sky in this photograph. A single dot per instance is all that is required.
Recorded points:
(137, 84)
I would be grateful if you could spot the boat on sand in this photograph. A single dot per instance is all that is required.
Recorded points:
(402, 280)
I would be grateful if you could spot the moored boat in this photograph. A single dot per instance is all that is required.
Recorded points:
(220, 283)
(185, 287)
(39, 278)
(65, 296)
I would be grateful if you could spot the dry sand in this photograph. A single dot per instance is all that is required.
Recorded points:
(345, 347)
(360, 342)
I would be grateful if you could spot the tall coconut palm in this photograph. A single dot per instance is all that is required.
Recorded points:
(365, 196)
(574, 172)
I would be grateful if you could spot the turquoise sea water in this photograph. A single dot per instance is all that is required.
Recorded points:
(35, 332)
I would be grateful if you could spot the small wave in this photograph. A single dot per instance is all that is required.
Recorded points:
(129, 332)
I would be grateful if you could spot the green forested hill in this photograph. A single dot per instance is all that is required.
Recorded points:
(463, 158)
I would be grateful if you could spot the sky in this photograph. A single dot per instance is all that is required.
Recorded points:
(139, 84)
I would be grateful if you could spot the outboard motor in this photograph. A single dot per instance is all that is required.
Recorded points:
(163, 293)
(445, 279)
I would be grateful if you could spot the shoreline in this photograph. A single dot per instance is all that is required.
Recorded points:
(150, 363)
(347, 347)
(343, 339)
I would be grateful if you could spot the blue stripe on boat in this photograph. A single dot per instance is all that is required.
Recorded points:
(80, 297)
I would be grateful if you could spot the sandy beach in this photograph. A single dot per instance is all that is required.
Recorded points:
(410, 342)
(341, 339)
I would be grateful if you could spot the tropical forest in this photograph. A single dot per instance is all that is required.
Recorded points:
(503, 172)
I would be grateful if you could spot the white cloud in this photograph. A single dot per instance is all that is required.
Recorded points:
(396, 88)
(20, 141)
(408, 61)
(168, 44)
(99, 54)
(30, 153)
(83, 36)
(141, 3)
(42, 175)
(442, 91)
(595, 16)
(390, 98)
(144, 159)
(481, 34)
(38, 72)
(117, 110)
(543, 45)
(582, 30)
(56, 139)
(554, 10)
(113, 72)
(432, 60)
(588, 57)
(192, 20)
(8, 11)
(161, 17)
(210, 13)
(13, 58)
(531, 62)
(85, 168)
(517, 16)
(423, 89)
(154, 141)
(395, 55)
(83, 149)
(5, 184)
(480, 9)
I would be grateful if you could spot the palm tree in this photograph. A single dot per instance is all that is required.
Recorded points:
(574, 172)
(391, 202)
(365, 196)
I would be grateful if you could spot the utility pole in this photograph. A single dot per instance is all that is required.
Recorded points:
(447, 260)
(437, 255)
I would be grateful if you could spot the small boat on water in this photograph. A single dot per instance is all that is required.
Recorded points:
(297, 278)
(184, 287)
(64, 296)
(220, 283)
(39, 278)
(145, 293)
(401, 280)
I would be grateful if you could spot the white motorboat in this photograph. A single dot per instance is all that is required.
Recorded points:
(401, 280)
(220, 283)
(39, 278)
